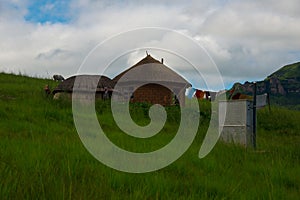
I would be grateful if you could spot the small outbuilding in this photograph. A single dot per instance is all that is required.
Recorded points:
(153, 82)
(86, 83)
(237, 126)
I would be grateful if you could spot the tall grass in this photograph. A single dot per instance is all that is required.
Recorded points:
(42, 157)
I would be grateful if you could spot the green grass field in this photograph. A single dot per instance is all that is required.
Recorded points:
(42, 157)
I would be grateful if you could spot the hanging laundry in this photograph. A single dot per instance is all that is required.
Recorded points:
(190, 92)
(261, 100)
(200, 94)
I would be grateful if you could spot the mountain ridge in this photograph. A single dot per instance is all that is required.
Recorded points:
(283, 86)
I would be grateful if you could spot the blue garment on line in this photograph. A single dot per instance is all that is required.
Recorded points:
(190, 92)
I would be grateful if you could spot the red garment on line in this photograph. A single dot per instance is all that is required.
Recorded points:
(199, 94)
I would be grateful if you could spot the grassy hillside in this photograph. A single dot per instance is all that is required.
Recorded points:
(288, 71)
(289, 77)
(42, 157)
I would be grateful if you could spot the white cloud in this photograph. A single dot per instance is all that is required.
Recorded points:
(213, 47)
(248, 40)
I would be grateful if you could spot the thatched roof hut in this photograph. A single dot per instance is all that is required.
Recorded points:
(155, 70)
(157, 75)
(86, 83)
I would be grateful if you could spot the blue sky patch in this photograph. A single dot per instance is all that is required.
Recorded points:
(48, 11)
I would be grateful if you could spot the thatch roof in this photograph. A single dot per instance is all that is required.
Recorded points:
(85, 83)
(150, 69)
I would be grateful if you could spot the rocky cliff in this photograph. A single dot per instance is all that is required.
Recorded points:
(282, 85)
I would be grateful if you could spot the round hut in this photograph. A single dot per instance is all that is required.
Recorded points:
(86, 84)
(157, 83)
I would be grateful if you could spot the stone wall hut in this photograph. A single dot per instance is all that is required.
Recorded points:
(158, 83)
(86, 84)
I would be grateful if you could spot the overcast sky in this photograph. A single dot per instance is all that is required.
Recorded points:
(247, 39)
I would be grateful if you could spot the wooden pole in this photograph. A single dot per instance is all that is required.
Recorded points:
(268, 93)
(254, 116)
(268, 99)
